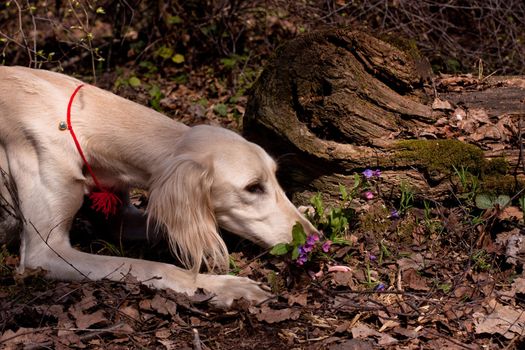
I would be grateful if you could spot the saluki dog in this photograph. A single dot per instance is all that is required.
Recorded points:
(198, 179)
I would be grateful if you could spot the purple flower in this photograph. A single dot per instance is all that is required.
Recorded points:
(301, 259)
(306, 248)
(372, 257)
(326, 246)
(312, 239)
(368, 195)
(394, 214)
(368, 173)
(380, 287)
(377, 173)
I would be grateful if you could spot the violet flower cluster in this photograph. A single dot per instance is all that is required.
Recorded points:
(306, 249)
(369, 173)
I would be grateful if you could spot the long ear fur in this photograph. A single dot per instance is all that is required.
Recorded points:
(180, 201)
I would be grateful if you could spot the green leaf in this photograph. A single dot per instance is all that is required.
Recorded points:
(298, 235)
(484, 201)
(317, 202)
(174, 20)
(229, 62)
(165, 52)
(502, 200)
(221, 109)
(100, 11)
(134, 82)
(295, 253)
(344, 193)
(280, 249)
(178, 58)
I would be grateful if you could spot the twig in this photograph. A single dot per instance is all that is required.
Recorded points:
(197, 344)
(92, 333)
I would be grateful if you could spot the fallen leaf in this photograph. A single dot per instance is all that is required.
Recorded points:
(514, 243)
(501, 319)
(25, 336)
(163, 305)
(415, 281)
(298, 298)
(442, 105)
(416, 262)
(85, 321)
(344, 279)
(354, 344)
(362, 331)
(518, 285)
(269, 315)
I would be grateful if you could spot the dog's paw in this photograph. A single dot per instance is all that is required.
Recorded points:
(228, 288)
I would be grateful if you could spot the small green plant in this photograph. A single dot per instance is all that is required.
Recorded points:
(486, 201)
(109, 248)
(480, 259)
(407, 198)
(234, 269)
(469, 184)
(444, 287)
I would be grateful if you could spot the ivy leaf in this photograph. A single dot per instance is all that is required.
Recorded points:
(279, 249)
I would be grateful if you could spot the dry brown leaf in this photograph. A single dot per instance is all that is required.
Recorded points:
(25, 336)
(131, 312)
(163, 305)
(298, 298)
(415, 281)
(488, 132)
(269, 315)
(518, 286)
(415, 261)
(442, 105)
(362, 331)
(501, 319)
(479, 115)
(87, 320)
(511, 212)
(514, 243)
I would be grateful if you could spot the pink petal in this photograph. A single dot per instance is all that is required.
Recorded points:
(339, 268)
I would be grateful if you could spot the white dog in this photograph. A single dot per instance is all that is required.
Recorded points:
(198, 178)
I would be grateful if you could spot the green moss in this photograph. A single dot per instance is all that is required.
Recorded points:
(442, 155)
(501, 184)
(409, 46)
(496, 166)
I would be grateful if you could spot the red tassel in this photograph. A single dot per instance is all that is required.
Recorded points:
(105, 202)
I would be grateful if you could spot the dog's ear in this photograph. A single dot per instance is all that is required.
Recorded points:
(180, 201)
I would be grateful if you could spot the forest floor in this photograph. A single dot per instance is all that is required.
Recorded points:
(395, 277)
(399, 274)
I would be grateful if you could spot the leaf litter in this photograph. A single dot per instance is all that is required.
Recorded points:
(437, 288)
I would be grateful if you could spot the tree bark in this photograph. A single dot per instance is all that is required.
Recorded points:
(336, 102)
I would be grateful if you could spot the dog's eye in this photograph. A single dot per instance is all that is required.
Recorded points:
(255, 188)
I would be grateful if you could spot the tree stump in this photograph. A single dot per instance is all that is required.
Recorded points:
(336, 102)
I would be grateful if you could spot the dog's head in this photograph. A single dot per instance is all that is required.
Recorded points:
(219, 178)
